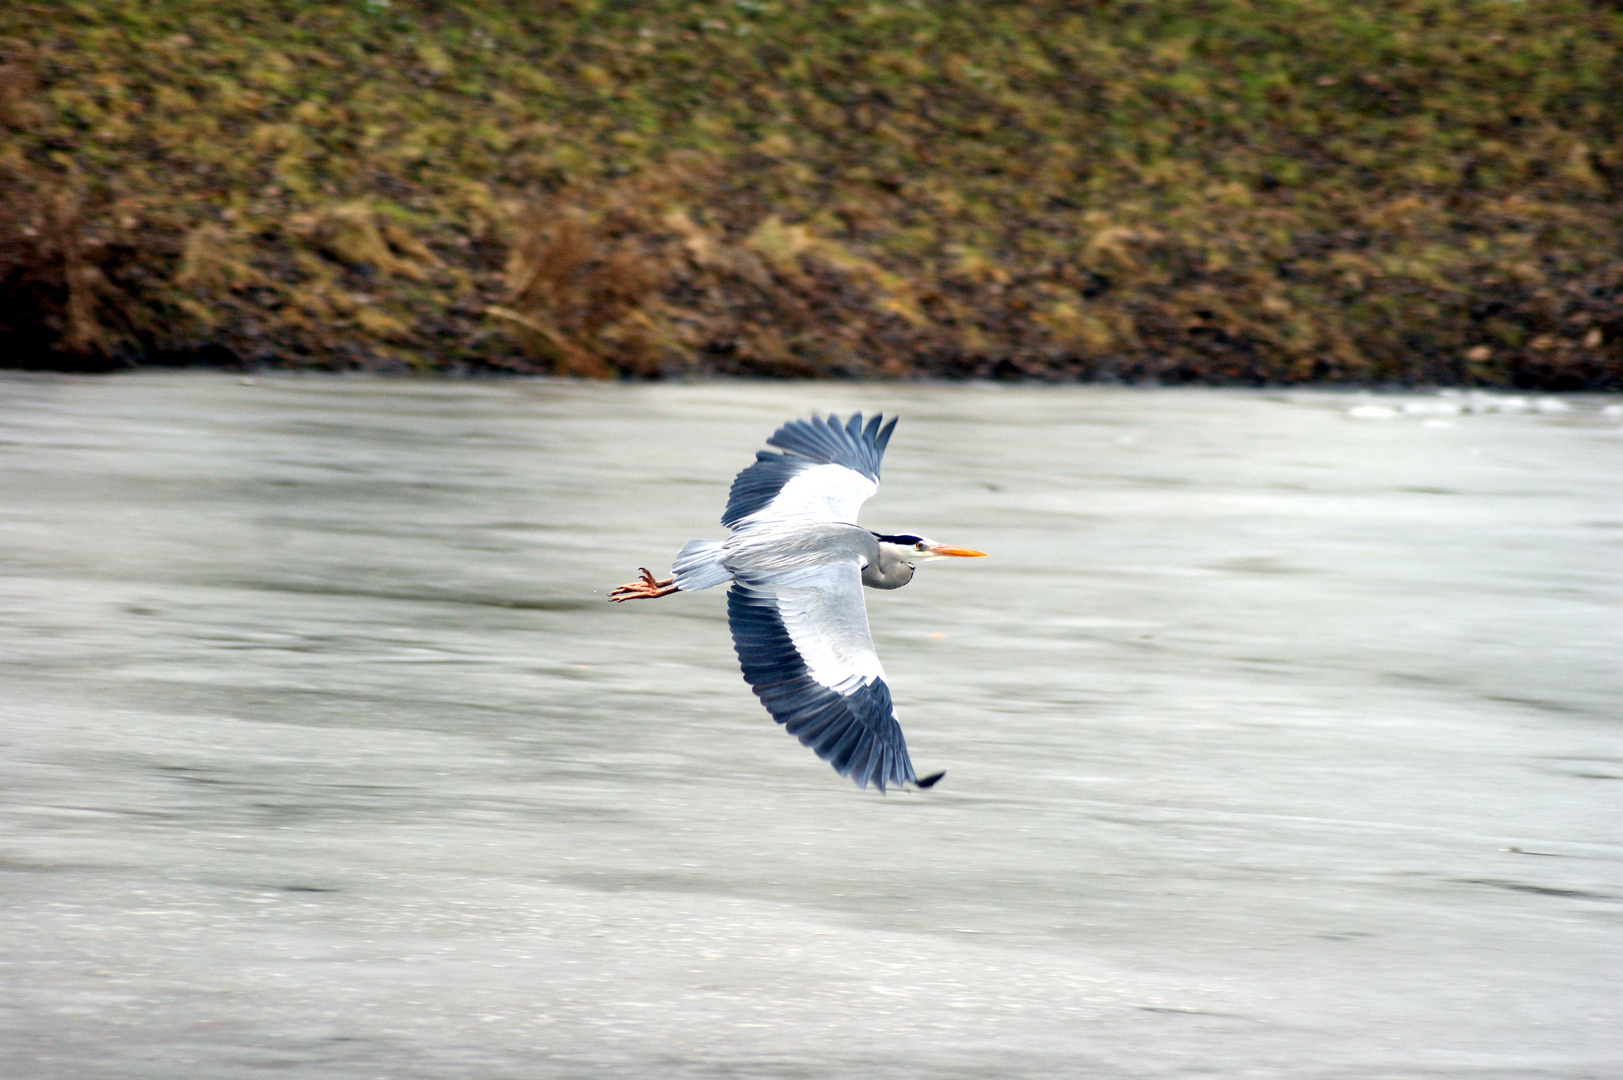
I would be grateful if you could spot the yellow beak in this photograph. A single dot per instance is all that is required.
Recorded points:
(967, 553)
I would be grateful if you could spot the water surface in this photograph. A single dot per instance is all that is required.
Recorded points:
(1281, 734)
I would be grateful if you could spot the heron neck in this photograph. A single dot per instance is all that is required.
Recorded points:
(887, 571)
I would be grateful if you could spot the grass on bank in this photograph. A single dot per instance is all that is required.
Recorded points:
(1213, 190)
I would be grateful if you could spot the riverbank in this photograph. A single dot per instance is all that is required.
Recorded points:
(1190, 192)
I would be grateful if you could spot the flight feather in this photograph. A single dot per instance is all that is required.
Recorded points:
(804, 645)
(825, 472)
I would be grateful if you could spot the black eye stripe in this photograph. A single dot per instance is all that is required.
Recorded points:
(904, 539)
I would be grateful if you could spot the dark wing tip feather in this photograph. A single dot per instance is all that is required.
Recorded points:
(882, 440)
(827, 440)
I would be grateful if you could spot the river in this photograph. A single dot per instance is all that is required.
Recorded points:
(1282, 731)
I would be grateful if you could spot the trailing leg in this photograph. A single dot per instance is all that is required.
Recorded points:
(644, 588)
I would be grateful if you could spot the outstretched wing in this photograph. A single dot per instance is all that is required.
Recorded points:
(826, 472)
(802, 638)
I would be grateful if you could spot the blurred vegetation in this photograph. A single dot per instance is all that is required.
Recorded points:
(1187, 190)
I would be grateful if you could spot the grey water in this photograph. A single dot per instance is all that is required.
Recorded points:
(1282, 735)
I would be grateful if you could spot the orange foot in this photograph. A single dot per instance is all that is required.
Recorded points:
(644, 588)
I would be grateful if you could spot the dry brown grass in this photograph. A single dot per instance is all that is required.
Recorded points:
(62, 260)
(72, 265)
(580, 285)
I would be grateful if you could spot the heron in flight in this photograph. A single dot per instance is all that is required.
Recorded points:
(797, 562)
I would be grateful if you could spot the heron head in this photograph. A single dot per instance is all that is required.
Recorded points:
(916, 549)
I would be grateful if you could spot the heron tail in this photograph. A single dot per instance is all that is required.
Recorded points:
(698, 566)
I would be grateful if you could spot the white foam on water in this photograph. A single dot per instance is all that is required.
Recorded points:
(1432, 407)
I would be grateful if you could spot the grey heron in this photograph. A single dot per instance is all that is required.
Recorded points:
(797, 562)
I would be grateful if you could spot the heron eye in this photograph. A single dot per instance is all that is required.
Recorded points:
(919, 545)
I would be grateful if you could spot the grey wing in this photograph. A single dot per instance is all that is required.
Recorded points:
(826, 471)
(802, 638)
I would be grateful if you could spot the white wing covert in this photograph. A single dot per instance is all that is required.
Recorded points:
(826, 472)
